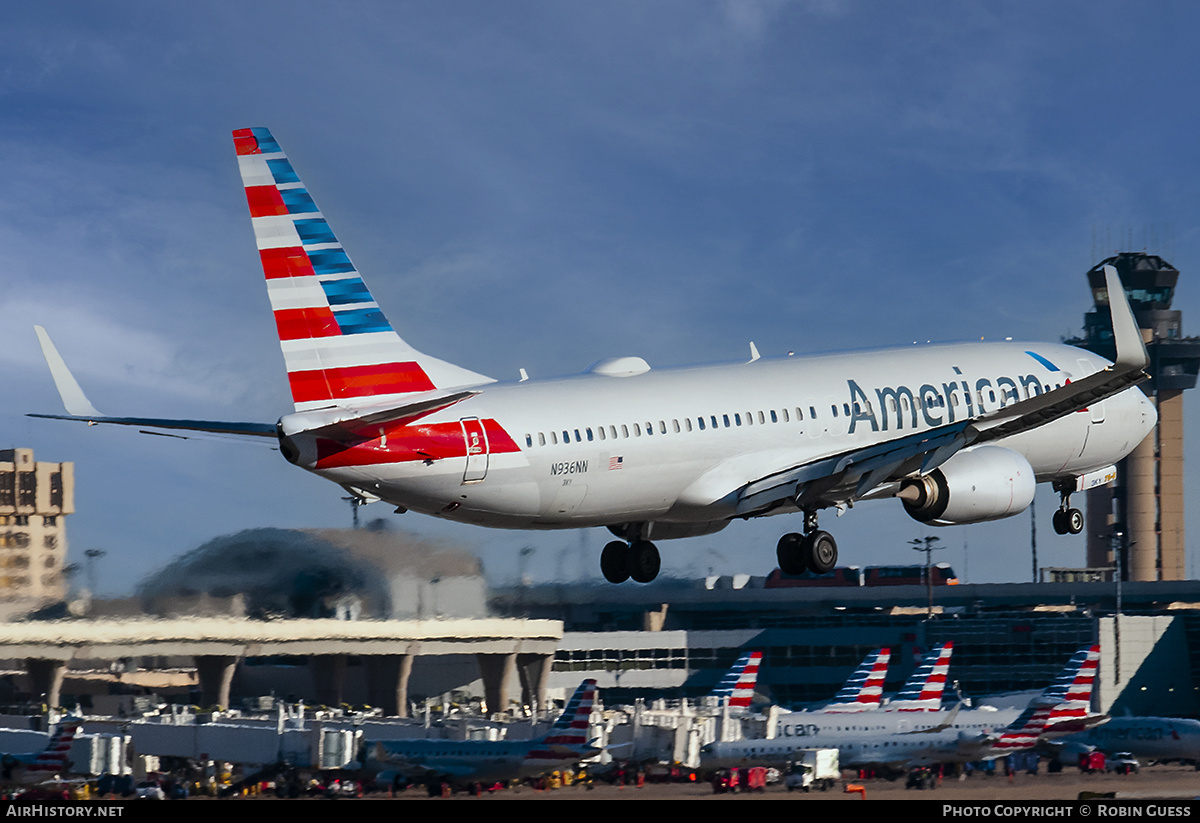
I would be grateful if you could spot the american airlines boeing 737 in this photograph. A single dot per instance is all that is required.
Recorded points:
(960, 433)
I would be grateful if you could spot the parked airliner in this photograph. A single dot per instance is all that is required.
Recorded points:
(489, 761)
(960, 433)
(905, 738)
(50, 762)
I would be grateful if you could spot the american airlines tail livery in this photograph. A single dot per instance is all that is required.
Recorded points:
(960, 433)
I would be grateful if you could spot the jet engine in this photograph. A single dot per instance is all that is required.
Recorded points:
(973, 486)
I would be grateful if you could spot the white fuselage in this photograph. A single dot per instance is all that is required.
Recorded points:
(864, 738)
(1158, 738)
(675, 446)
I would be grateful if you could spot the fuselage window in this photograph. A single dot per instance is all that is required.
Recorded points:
(799, 414)
(700, 421)
(612, 430)
(725, 417)
(649, 427)
(786, 419)
(578, 439)
(713, 418)
(624, 430)
(774, 417)
(589, 435)
(675, 424)
(834, 410)
(600, 431)
(554, 438)
(687, 421)
(662, 427)
(737, 418)
(749, 418)
(812, 412)
(762, 418)
(846, 408)
(637, 430)
(529, 440)
(541, 439)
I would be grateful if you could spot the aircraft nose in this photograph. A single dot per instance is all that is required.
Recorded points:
(1149, 413)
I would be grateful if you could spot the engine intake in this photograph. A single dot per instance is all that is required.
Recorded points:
(973, 486)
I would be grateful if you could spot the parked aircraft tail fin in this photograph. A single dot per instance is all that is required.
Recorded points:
(864, 690)
(924, 689)
(572, 725)
(54, 758)
(737, 686)
(339, 348)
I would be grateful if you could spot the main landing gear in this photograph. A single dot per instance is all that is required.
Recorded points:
(637, 559)
(1066, 520)
(815, 550)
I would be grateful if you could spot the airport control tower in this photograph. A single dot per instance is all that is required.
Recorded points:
(1143, 510)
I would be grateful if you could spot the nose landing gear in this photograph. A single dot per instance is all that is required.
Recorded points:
(1067, 520)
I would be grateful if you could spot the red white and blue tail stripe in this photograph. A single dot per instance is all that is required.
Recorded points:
(864, 690)
(339, 348)
(1022, 733)
(54, 759)
(572, 725)
(1070, 695)
(737, 686)
(924, 689)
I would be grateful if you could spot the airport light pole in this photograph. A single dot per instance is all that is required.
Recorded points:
(92, 556)
(925, 544)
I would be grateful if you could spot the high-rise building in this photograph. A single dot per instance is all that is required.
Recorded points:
(35, 499)
(1141, 513)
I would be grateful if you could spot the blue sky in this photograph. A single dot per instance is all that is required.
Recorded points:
(540, 184)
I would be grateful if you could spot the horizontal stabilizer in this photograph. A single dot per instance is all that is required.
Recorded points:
(212, 426)
(348, 425)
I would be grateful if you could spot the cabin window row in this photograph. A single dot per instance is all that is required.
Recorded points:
(649, 428)
(783, 415)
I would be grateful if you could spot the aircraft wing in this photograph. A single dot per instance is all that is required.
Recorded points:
(852, 475)
(78, 407)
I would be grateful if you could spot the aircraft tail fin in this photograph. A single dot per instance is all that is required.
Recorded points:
(864, 690)
(1072, 689)
(1022, 733)
(54, 758)
(572, 725)
(737, 686)
(339, 348)
(924, 689)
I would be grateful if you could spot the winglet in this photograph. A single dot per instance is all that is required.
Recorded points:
(73, 398)
(1131, 351)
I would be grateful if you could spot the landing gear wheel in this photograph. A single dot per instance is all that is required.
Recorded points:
(614, 563)
(787, 552)
(1068, 521)
(1074, 521)
(643, 561)
(820, 552)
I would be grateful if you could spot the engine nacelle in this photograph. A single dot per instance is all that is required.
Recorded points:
(973, 486)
